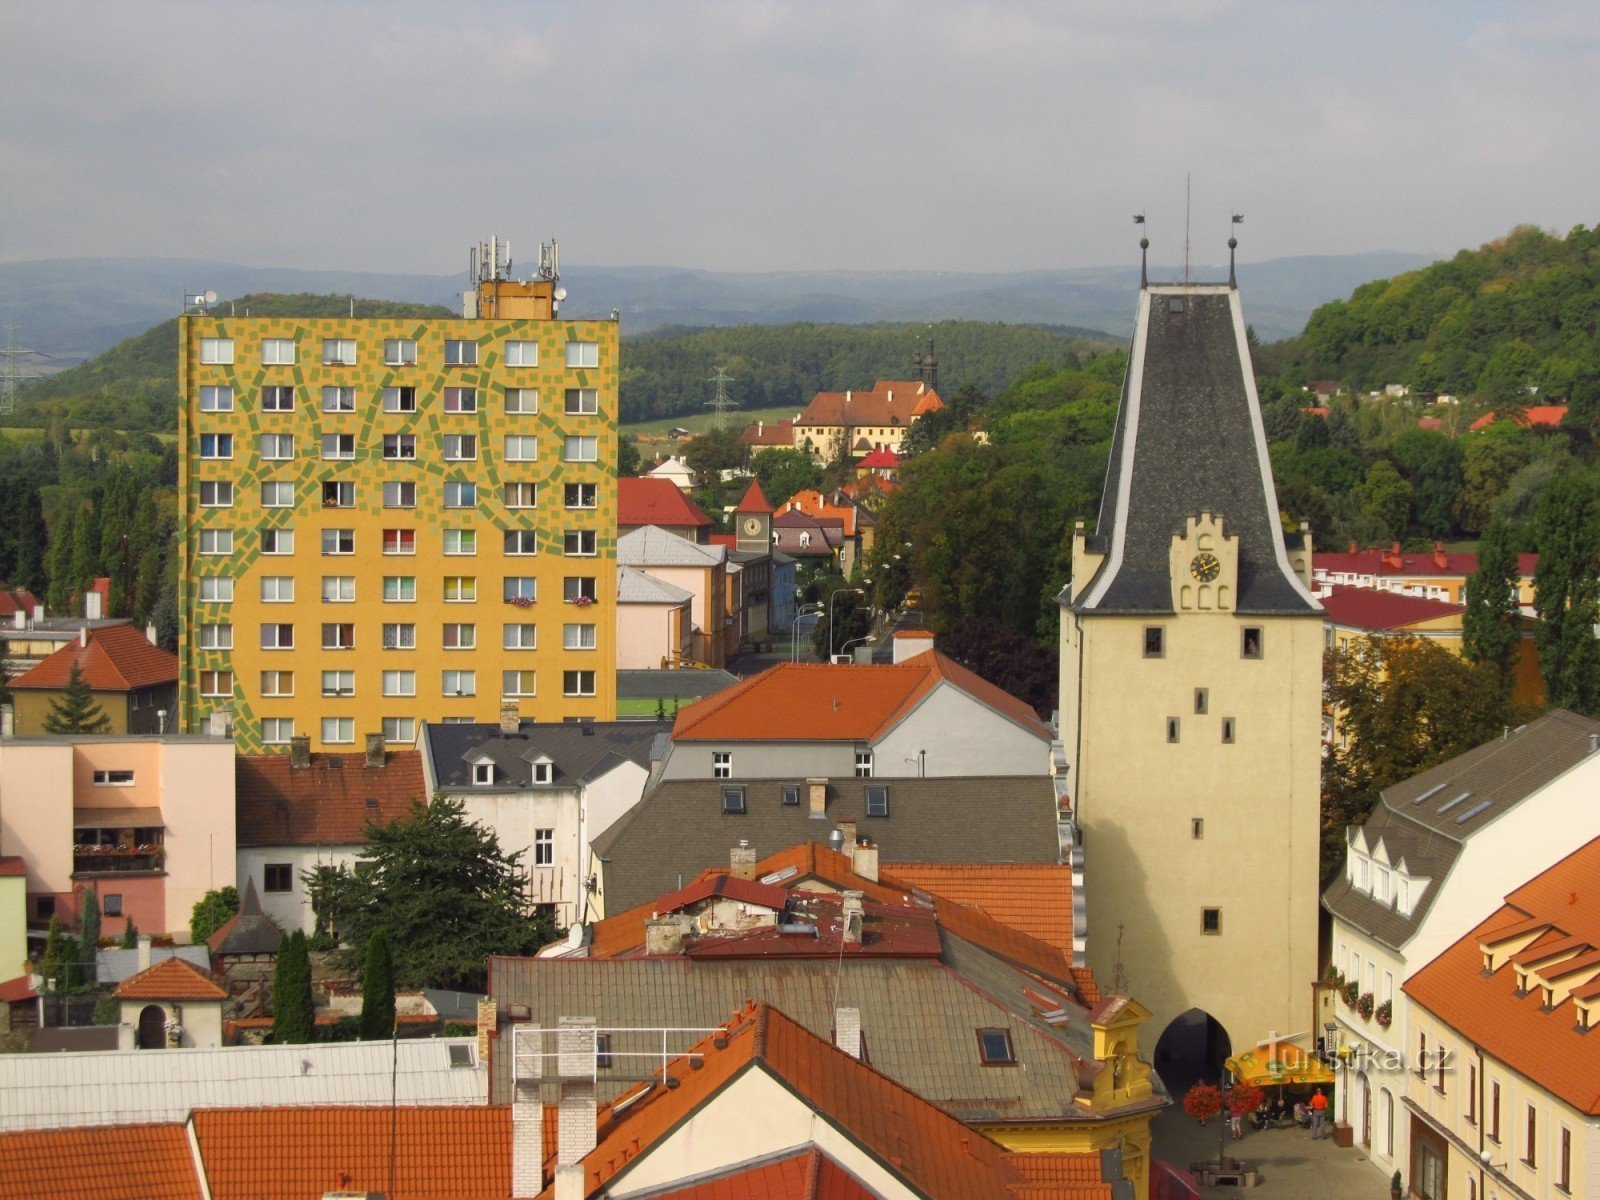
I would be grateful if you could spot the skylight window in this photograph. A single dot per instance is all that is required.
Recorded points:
(877, 802)
(733, 800)
(1473, 811)
(994, 1047)
(1449, 804)
(1431, 792)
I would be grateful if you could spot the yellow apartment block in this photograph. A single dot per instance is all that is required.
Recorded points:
(394, 520)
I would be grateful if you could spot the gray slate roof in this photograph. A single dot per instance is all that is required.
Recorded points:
(1191, 422)
(679, 828)
(652, 546)
(638, 587)
(580, 751)
(1495, 777)
(115, 964)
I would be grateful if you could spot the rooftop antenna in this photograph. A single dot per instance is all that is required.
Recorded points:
(1233, 244)
(13, 374)
(720, 402)
(1144, 255)
(1187, 181)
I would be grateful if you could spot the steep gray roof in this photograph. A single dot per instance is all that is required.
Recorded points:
(651, 546)
(580, 751)
(638, 587)
(1426, 819)
(679, 828)
(1188, 440)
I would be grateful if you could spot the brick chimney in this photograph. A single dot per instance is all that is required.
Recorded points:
(527, 1122)
(375, 752)
(510, 717)
(664, 935)
(1391, 556)
(300, 750)
(817, 797)
(852, 915)
(848, 828)
(1440, 558)
(847, 1030)
(742, 861)
(575, 1110)
(864, 860)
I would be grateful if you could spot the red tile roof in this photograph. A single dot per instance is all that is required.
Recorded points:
(111, 1162)
(172, 979)
(280, 805)
(755, 500)
(647, 501)
(812, 503)
(13, 865)
(15, 991)
(1432, 424)
(1034, 898)
(1545, 416)
(1368, 608)
(118, 658)
(884, 459)
(441, 1152)
(1545, 1046)
(15, 600)
(730, 540)
(806, 1175)
(769, 433)
(889, 403)
(1438, 564)
(828, 702)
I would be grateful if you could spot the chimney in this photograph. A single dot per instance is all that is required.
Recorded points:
(150, 634)
(143, 960)
(19, 619)
(1440, 559)
(848, 828)
(817, 797)
(527, 1120)
(38, 613)
(576, 1046)
(83, 636)
(908, 643)
(847, 1030)
(375, 755)
(865, 861)
(300, 750)
(510, 717)
(852, 916)
(1354, 549)
(664, 935)
(1594, 743)
(742, 861)
(92, 604)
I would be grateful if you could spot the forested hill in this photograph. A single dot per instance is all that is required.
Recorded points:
(1490, 323)
(666, 373)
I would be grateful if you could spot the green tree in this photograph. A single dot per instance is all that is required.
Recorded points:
(628, 460)
(1491, 627)
(1385, 498)
(294, 1014)
(712, 453)
(443, 892)
(846, 617)
(76, 711)
(130, 936)
(89, 936)
(377, 989)
(212, 911)
(784, 472)
(1567, 593)
(1432, 464)
(1490, 460)
(60, 958)
(58, 562)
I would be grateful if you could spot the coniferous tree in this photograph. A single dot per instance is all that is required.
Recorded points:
(1491, 627)
(85, 556)
(130, 936)
(32, 541)
(377, 989)
(89, 937)
(76, 710)
(58, 562)
(1567, 593)
(60, 956)
(294, 1019)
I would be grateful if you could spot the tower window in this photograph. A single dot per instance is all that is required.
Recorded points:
(1155, 643)
(1201, 701)
(1227, 731)
(1172, 729)
(1197, 828)
(1250, 642)
(1210, 920)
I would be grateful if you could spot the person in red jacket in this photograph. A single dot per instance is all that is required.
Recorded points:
(1319, 1115)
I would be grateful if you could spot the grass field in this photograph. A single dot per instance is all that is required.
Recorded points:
(700, 422)
(24, 433)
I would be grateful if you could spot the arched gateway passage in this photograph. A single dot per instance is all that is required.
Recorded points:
(152, 1028)
(1191, 1048)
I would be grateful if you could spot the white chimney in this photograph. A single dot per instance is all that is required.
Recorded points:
(847, 1030)
(864, 860)
(527, 1115)
(83, 633)
(908, 643)
(576, 1046)
(742, 861)
(510, 717)
(143, 959)
(92, 605)
(19, 619)
(852, 915)
(38, 613)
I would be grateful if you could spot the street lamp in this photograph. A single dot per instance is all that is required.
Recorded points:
(831, 599)
(805, 610)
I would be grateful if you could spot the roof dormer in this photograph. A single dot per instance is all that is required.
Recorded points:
(1499, 946)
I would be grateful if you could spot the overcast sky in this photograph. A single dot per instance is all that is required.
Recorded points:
(772, 136)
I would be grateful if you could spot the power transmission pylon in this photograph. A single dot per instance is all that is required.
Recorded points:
(12, 373)
(720, 401)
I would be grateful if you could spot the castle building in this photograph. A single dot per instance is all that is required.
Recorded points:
(391, 520)
(1191, 656)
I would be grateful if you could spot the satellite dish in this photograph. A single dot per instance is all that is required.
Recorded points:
(211, 297)
(561, 293)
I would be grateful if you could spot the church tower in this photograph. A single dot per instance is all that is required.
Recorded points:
(1191, 660)
(752, 521)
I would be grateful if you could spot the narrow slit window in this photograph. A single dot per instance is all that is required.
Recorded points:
(1172, 729)
(1154, 641)
(1202, 700)
(1227, 731)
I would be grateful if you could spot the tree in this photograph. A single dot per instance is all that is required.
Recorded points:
(212, 911)
(1385, 498)
(784, 472)
(377, 989)
(712, 453)
(1491, 627)
(1432, 462)
(443, 892)
(1566, 587)
(294, 1014)
(628, 459)
(76, 711)
(60, 958)
(89, 935)
(130, 936)
(846, 617)
(1005, 658)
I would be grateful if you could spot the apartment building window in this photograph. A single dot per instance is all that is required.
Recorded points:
(460, 635)
(338, 635)
(1197, 828)
(519, 683)
(400, 729)
(460, 353)
(581, 495)
(216, 493)
(216, 589)
(277, 541)
(460, 683)
(582, 402)
(460, 447)
(277, 877)
(338, 589)
(338, 731)
(1202, 701)
(216, 683)
(544, 847)
(722, 764)
(277, 731)
(578, 589)
(277, 589)
(399, 399)
(113, 779)
(522, 402)
(522, 354)
(216, 351)
(733, 800)
(277, 352)
(338, 683)
(338, 494)
(399, 352)
(216, 399)
(1531, 1153)
(1173, 729)
(216, 445)
(399, 683)
(338, 352)
(1564, 1160)
(399, 541)
(1211, 920)
(519, 589)
(460, 541)
(521, 448)
(581, 543)
(277, 398)
(483, 774)
(520, 542)
(1251, 642)
(521, 495)
(338, 399)
(277, 493)
(399, 635)
(578, 637)
(863, 764)
(460, 589)
(338, 446)
(399, 446)
(217, 636)
(400, 589)
(1155, 641)
(216, 541)
(519, 636)
(275, 447)
(583, 354)
(338, 541)
(1438, 1068)
(877, 801)
(1471, 1093)
(791, 795)
(577, 683)
(580, 449)
(460, 495)
(1494, 1112)
(277, 635)
(543, 771)
(460, 400)
(399, 493)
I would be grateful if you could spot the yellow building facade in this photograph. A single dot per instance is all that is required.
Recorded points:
(387, 521)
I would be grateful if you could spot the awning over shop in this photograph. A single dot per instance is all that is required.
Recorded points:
(1269, 1066)
(117, 818)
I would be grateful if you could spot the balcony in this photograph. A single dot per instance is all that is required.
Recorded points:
(110, 860)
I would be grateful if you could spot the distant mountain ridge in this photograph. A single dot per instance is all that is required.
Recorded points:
(74, 308)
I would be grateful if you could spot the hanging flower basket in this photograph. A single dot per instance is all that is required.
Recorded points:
(520, 601)
(1202, 1102)
(1244, 1098)
(1385, 1014)
(1364, 1006)
(583, 601)
(1351, 991)
(1334, 978)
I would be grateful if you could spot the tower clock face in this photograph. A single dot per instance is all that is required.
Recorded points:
(752, 525)
(1205, 567)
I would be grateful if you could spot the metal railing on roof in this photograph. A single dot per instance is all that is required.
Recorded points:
(582, 1052)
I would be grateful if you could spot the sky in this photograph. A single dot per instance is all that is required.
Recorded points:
(760, 136)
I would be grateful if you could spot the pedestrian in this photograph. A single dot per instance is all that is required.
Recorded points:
(1236, 1125)
(1319, 1116)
